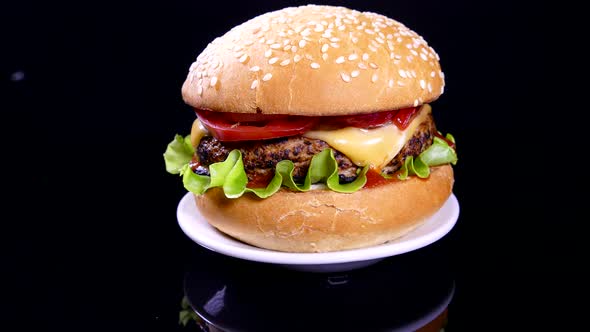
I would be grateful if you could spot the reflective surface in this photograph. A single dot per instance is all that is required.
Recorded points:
(402, 293)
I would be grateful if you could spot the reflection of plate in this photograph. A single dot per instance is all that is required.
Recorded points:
(408, 292)
(200, 231)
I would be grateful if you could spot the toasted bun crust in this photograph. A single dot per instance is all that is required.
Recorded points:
(315, 60)
(322, 220)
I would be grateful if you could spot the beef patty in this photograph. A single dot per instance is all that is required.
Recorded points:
(261, 157)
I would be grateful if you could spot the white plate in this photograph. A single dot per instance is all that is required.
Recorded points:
(199, 230)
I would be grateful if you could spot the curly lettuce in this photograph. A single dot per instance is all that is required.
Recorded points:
(439, 153)
(231, 176)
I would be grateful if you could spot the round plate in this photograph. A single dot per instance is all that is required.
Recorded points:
(199, 230)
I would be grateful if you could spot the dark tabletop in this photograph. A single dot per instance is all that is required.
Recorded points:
(91, 96)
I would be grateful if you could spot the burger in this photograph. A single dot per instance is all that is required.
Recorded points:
(314, 131)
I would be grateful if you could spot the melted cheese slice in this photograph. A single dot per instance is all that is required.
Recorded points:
(198, 131)
(375, 147)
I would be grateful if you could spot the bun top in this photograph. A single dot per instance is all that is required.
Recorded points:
(315, 60)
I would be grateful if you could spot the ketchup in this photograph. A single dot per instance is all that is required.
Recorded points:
(375, 179)
(259, 181)
(451, 144)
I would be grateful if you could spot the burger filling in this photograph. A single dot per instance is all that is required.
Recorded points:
(260, 153)
(260, 157)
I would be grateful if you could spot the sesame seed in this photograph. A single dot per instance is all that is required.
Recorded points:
(325, 48)
(267, 53)
(374, 78)
(270, 41)
(432, 74)
(429, 87)
(325, 56)
(390, 83)
(372, 48)
(402, 73)
(275, 46)
(243, 58)
(334, 45)
(354, 40)
(267, 77)
(399, 39)
(213, 81)
(389, 36)
(423, 56)
(400, 83)
(422, 84)
(200, 90)
(302, 43)
(365, 56)
(334, 39)
(414, 52)
(340, 59)
(315, 65)
(409, 58)
(442, 89)
(345, 77)
(305, 32)
(352, 57)
(390, 45)
(355, 73)
(362, 66)
(319, 28)
(273, 60)
(308, 57)
(413, 73)
(297, 58)
(262, 40)
(254, 84)
(373, 65)
(381, 41)
(285, 62)
(249, 43)
(415, 102)
(239, 54)
(287, 47)
(255, 68)
(342, 27)
(369, 31)
(293, 48)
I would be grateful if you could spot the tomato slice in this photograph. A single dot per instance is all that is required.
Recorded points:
(247, 127)
(370, 120)
(401, 118)
(404, 116)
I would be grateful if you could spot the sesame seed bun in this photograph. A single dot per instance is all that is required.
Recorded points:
(315, 60)
(322, 220)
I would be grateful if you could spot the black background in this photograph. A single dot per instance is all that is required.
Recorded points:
(91, 96)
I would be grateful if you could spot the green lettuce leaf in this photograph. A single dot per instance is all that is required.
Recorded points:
(439, 153)
(231, 176)
(178, 154)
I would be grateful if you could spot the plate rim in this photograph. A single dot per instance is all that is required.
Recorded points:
(252, 253)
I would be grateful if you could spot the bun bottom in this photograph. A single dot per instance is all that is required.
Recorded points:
(323, 220)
